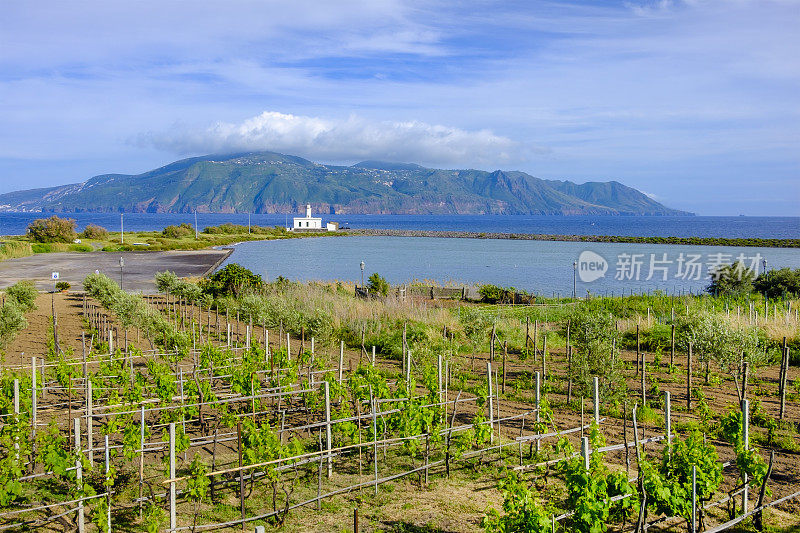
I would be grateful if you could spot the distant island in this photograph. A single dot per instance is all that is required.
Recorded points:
(268, 182)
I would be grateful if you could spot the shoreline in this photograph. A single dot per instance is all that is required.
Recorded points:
(699, 241)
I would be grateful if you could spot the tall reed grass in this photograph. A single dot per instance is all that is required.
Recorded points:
(11, 249)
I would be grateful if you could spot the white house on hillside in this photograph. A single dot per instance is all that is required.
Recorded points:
(307, 222)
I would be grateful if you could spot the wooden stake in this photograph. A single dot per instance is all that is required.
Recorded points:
(625, 438)
(758, 517)
(33, 412)
(784, 382)
(141, 458)
(527, 333)
(327, 389)
(544, 357)
(241, 473)
(643, 382)
(491, 342)
(89, 429)
(585, 452)
(505, 355)
(538, 407)
(373, 402)
(341, 359)
(173, 516)
(79, 482)
(689, 378)
(491, 410)
(668, 418)
(108, 489)
(569, 374)
(638, 350)
(16, 414)
(672, 344)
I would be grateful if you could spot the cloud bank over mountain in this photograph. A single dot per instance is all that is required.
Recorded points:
(349, 139)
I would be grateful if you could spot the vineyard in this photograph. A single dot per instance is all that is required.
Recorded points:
(219, 406)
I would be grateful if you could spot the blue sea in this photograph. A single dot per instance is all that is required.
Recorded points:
(542, 267)
(683, 226)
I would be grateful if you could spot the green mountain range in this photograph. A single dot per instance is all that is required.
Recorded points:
(268, 182)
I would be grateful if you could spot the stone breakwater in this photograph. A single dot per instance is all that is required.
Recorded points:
(699, 241)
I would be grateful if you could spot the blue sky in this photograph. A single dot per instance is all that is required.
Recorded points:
(694, 102)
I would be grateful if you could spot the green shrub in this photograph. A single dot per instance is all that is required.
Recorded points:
(655, 340)
(235, 229)
(24, 294)
(63, 285)
(53, 229)
(20, 298)
(232, 280)
(93, 231)
(188, 291)
(41, 248)
(165, 281)
(169, 283)
(80, 248)
(782, 283)
(378, 284)
(229, 229)
(731, 280)
(132, 310)
(492, 294)
(100, 286)
(596, 342)
(178, 232)
(12, 320)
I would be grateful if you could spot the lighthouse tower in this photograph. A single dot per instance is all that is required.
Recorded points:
(307, 222)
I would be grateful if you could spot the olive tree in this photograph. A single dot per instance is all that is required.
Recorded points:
(715, 338)
(595, 338)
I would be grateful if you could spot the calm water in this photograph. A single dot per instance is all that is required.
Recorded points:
(542, 267)
(738, 227)
(536, 266)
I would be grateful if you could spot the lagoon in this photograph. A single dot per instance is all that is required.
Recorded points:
(542, 267)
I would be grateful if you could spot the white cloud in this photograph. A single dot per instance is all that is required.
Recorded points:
(670, 96)
(347, 139)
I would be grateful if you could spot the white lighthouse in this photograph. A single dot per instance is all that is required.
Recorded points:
(307, 222)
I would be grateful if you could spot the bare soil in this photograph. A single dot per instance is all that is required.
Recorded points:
(459, 503)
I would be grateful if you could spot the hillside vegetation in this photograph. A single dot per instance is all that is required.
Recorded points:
(267, 182)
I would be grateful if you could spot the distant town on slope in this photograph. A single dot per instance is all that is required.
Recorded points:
(268, 182)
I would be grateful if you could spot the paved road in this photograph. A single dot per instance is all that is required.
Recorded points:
(138, 272)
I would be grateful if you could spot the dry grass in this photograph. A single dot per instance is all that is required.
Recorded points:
(10, 249)
(335, 299)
